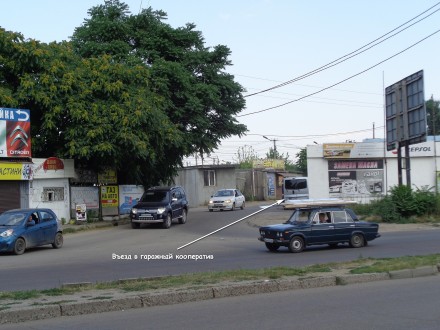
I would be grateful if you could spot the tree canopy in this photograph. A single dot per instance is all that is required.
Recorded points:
(433, 116)
(128, 92)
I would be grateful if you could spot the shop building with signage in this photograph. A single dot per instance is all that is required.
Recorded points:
(365, 171)
(26, 181)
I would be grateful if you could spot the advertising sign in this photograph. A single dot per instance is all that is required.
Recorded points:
(277, 164)
(337, 150)
(81, 212)
(355, 177)
(14, 171)
(15, 135)
(88, 196)
(129, 196)
(108, 176)
(109, 196)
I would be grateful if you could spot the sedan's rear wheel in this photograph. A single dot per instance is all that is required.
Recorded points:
(167, 222)
(357, 241)
(296, 244)
(19, 246)
(272, 247)
(242, 205)
(58, 241)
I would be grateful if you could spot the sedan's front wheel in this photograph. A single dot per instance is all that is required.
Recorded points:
(19, 246)
(296, 244)
(357, 241)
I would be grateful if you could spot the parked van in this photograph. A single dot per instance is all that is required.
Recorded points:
(295, 188)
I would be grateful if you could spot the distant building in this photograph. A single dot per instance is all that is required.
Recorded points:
(366, 170)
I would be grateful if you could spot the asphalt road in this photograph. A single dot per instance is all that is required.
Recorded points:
(397, 304)
(90, 256)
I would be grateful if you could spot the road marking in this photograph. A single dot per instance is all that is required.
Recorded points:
(233, 223)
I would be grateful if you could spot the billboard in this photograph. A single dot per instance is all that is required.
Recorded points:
(355, 177)
(15, 133)
(405, 112)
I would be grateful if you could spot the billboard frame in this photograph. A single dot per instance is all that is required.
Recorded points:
(405, 114)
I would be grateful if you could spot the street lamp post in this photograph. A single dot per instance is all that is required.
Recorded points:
(274, 144)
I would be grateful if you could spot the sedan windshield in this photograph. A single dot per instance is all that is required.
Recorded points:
(11, 219)
(224, 193)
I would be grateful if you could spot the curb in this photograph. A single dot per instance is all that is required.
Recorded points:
(102, 304)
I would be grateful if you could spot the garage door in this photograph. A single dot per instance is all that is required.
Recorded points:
(9, 195)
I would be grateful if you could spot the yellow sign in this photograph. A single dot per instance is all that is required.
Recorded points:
(337, 150)
(14, 171)
(107, 177)
(109, 196)
(276, 164)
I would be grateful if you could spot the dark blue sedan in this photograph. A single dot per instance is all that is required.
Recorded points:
(25, 228)
(316, 223)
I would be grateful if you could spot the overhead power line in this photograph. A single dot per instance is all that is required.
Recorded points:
(315, 135)
(344, 80)
(354, 53)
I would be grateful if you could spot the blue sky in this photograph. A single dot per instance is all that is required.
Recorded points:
(274, 41)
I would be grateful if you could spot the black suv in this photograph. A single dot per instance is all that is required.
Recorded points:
(160, 205)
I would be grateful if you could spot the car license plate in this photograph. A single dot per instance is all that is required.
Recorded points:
(268, 240)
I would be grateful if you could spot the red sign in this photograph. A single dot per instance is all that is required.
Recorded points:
(53, 163)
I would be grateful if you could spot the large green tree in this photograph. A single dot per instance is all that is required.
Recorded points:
(197, 94)
(129, 92)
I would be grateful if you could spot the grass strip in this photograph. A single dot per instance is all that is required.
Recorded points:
(195, 280)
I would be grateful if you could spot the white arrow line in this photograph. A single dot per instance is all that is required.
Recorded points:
(233, 223)
(20, 112)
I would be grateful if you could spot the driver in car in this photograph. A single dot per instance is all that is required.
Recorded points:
(323, 218)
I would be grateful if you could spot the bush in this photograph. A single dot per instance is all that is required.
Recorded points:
(403, 200)
(403, 203)
(425, 202)
(387, 210)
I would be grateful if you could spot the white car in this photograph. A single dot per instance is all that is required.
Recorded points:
(226, 199)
